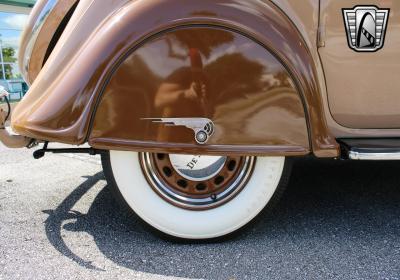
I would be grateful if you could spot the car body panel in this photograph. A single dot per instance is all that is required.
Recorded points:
(304, 15)
(42, 37)
(202, 72)
(364, 93)
(62, 102)
(51, 110)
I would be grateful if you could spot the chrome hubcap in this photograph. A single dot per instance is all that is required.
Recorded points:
(196, 182)
(197, 168)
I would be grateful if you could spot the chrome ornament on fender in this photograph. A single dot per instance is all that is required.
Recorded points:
(366, 27)
(203, 128)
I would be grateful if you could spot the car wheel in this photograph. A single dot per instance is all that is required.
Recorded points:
(195, 197)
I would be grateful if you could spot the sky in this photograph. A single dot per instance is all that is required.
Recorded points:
(11, 26)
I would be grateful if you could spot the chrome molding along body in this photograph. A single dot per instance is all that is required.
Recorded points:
(354, 155)
(370, 148)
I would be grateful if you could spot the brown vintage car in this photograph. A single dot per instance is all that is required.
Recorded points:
(197, 106)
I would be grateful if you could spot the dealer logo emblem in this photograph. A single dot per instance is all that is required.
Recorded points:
(366, 27)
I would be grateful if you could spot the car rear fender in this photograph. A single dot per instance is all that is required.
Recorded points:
(84, 86)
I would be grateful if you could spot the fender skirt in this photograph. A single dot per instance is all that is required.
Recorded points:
(241, 64)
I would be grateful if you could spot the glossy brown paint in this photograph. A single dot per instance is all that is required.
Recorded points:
(52, 109)
(65, 104)
(44, 37)
(366, 94)
(208, 73)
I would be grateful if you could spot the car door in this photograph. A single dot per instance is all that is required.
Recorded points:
(362, 70)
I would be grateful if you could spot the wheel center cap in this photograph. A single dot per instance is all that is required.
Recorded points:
(197, 168)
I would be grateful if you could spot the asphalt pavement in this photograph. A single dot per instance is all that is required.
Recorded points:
(337, 220)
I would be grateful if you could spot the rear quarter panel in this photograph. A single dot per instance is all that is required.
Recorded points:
(63, 101)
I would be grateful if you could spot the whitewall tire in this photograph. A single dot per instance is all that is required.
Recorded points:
(265, 177)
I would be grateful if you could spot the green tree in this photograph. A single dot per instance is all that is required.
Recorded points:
(9, 71)
(9, 54)
(8, 57)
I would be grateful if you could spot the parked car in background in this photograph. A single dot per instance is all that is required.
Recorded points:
(197, 107)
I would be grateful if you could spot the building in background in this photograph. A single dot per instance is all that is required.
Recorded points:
(13, 17)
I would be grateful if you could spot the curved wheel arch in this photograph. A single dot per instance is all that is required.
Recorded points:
(80, 87)
(268, 26)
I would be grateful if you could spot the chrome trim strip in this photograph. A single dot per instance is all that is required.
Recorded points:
(37, 27)
(374, 156)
